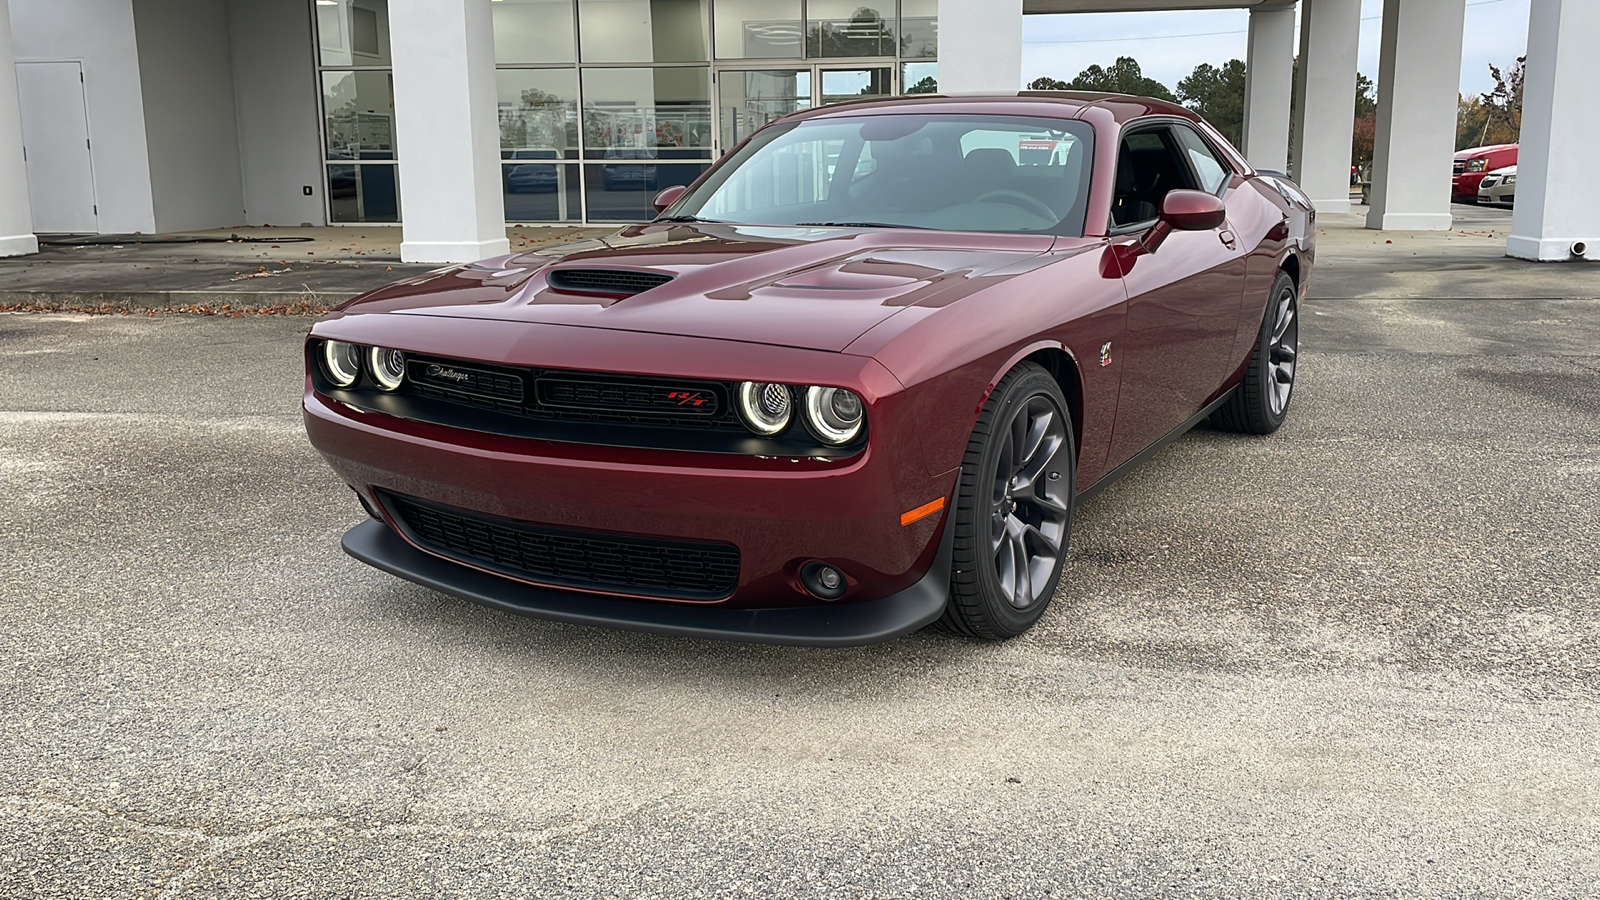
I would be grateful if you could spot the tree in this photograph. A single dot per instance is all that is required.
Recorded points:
(1124, 77)
(1503, 105)
(928, 85)
(1366, 97)
(1471, 121)
(1218, 95)
(866, 33)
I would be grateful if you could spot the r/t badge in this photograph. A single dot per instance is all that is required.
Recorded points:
(1105, 354)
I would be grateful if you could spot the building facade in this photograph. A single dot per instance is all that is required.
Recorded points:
(454, 117)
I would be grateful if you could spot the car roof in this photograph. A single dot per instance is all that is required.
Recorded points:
(1057, 104)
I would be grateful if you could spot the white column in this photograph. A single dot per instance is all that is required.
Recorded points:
(1419, 80)
(447, 130)
(1558, 198)
(1269, 86)
(1330, 31)
(16, 216)
(980, 46)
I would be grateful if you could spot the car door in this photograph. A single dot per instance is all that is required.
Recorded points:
(1183, 299)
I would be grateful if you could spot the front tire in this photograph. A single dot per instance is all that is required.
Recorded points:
(1261, 401)
(1013, 509)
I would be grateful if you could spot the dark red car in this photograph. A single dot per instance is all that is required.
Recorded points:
(851, 383)
(1472, 164)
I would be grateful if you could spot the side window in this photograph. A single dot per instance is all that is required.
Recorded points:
(1213, 174)
(1149, 164)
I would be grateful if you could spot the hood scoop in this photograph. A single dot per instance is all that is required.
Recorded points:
(605, 282)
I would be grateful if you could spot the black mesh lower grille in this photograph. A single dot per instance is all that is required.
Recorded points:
(685, 570)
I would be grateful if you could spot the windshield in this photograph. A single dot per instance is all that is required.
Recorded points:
(947, 172)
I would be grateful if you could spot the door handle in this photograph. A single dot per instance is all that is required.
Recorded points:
(1228, 239)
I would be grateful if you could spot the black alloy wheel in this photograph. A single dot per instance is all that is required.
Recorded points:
(1013, 508)
(1261, 402)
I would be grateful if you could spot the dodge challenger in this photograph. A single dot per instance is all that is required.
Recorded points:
(850, 383)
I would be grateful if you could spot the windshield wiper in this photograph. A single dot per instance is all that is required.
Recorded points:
(685, 219)
(858, 225)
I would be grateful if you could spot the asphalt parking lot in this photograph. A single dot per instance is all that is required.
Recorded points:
(1360, 658)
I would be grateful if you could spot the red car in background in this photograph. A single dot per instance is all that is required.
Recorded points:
(851, 382)
(1474, 163)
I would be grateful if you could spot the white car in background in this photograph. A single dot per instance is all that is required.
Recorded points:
(1499, 187)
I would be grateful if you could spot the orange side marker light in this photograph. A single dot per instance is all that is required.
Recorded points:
(922, 512)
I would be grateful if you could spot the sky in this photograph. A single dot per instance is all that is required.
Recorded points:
(1168, 45)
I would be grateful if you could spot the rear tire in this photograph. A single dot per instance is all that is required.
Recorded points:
(1261, 401)
(1013, 509)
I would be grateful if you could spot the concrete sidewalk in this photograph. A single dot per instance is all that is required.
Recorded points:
(261, 269)
(307, 270)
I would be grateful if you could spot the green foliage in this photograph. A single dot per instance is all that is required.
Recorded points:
(1217, 94)
(928, 85)
(1123, 77)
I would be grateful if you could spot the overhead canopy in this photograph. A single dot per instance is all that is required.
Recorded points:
(1039, 7)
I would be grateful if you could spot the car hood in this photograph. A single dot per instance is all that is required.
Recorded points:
(815, 288)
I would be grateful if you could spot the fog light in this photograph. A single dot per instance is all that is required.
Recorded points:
(823, 580)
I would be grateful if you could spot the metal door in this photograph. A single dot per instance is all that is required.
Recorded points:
(55, 140)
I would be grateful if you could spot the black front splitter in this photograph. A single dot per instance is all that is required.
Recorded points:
(842, 625)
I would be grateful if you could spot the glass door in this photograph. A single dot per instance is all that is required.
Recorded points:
(747, 100)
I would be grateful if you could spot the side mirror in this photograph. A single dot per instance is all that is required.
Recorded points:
(667, 197)
(1193, 211)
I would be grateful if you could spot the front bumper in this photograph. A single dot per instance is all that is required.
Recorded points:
(833, 625)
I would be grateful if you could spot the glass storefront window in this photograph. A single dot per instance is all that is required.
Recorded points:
(622, 191)
(839, 85)
(749, 100)
(919, 78)
(919, 29)
(359, 110)
(353, 32)
(533, 32)
(538, 113)
(364, 193)
(661, 113)
(541, 192)
(844, 28)
(643, 31)
(759, 29)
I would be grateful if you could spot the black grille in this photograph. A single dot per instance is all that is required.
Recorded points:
(623, 282)
(684, 570)
(631, 396)
(448, 376)
(577, 397)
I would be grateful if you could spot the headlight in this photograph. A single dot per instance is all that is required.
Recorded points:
(1477, 165)
(1509, 179)
(388, 367)
(341, 362)
(834, 414)
(765, 408)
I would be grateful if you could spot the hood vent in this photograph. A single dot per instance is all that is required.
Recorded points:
(611, 282)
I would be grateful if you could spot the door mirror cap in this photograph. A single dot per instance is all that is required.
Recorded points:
(667, 197)
(1193, 210)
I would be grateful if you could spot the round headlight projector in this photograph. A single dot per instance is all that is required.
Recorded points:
(388, 367)
(341, 362)
(765, 408)
(834, 414)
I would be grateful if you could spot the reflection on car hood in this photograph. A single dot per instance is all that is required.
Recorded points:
(817, 288)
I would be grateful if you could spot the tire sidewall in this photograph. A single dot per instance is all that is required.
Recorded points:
(1005, 619)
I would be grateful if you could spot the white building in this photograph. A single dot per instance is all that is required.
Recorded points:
(454, 117)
